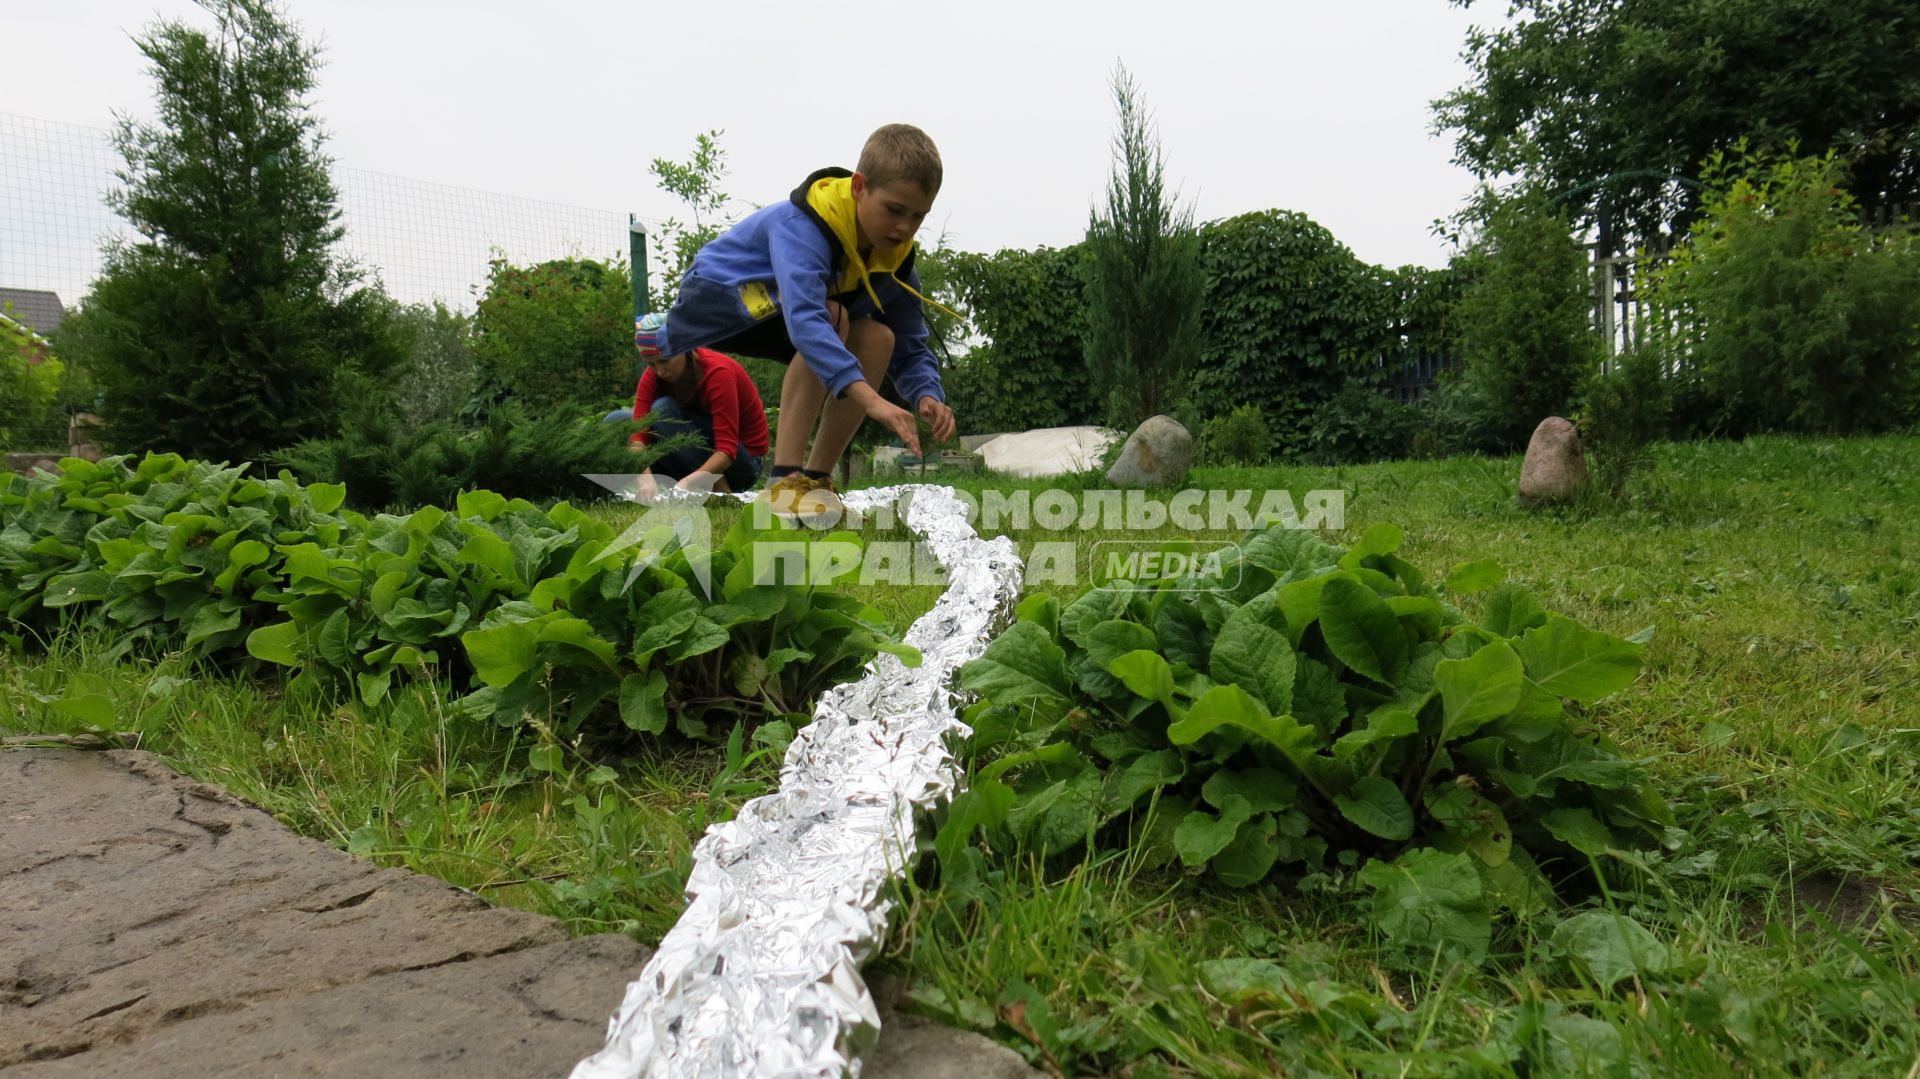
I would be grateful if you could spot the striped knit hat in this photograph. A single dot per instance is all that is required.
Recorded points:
(646, 334)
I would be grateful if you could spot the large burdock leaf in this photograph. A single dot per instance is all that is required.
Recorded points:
(1249, 858)
(1570, 660)
(278, 643)
(643, 705)
(1022, 664)
(502, 653)
(1376, 805)
(1108, 641)
(1479, 689)
(1511, 611)
(1145, 673)
(1200, 835)
(1231, 706)
(1427, 901)
(1361, 629)
(1610, 947)
(1252, 651)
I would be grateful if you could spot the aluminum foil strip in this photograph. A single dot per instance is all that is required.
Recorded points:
(761, 975)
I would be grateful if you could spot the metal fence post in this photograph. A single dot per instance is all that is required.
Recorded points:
(637, 263)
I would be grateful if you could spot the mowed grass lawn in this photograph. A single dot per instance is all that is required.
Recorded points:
(1777, 710)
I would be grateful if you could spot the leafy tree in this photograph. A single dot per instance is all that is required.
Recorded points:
(219, 330)
(696, 183)
(1620, 97)
(1524, 320)
(1145, 283)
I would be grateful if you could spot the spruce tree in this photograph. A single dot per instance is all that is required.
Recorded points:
(218, 329)
(1145, 282)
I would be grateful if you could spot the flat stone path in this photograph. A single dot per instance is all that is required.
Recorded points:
(155, 927)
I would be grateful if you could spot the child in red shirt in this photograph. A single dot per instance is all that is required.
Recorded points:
(705, 393)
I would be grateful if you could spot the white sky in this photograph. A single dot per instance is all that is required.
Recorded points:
(1317, 107)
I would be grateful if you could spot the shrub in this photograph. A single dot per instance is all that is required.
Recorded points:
(387, 461)
(30, 382)
(1291, 315)
(1241, 437)
(1032, 372)
(1360, 424)
(1781, 312)
(554, 337)
(1524, 320)
(435, 381)
(1456, 417)
(1622, 413)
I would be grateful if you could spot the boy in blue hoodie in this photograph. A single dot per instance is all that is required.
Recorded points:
(824, 282)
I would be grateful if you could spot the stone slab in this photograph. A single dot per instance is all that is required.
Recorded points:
(157, 927)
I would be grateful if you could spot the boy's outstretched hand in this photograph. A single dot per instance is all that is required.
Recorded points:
(898, 420)
(939, 416)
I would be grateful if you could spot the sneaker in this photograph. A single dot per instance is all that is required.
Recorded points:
(781, 493)
(812, 502)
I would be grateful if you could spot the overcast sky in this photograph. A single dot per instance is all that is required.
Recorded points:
(1318, 107)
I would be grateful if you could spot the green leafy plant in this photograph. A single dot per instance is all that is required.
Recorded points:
(532, 616)
(161, 553)
(1241, 437)
(1332, 708)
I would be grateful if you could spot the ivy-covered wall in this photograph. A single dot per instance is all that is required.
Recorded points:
(1291, 317)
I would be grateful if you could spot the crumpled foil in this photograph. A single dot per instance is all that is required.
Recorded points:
(761, 975)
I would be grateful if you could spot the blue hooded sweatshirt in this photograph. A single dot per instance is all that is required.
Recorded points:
(787, 260)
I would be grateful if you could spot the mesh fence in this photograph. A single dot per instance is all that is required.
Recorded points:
(426, 241)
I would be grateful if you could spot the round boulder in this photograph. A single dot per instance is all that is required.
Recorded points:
(1555, 469)
(1157, 454)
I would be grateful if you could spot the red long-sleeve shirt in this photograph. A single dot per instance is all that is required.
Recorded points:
(727, 393)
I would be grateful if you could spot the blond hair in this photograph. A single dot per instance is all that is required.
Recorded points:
(901, 152)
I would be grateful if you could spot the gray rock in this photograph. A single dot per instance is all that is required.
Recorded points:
(1157, 454)
(1555, 469)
